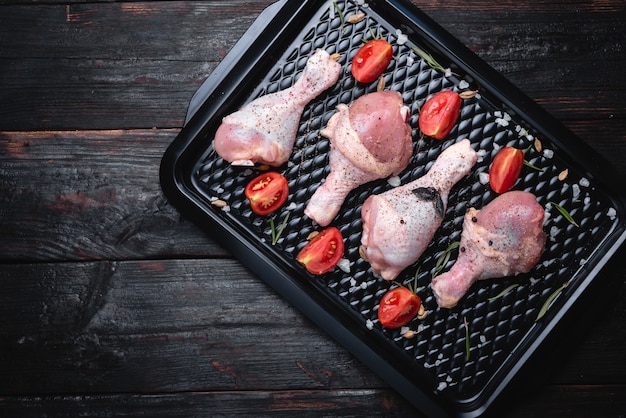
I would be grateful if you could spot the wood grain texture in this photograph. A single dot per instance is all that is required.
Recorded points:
(114, 304)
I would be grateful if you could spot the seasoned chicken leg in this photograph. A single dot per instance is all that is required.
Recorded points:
(399, 224)
(370, 140)
(505, 238)
(264, 131)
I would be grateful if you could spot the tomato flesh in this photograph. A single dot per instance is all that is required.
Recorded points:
(398, 307)
(505, 169)
(439, 114)
(267, 192)
(322, 253)
(371, 60)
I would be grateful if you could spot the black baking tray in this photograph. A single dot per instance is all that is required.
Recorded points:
(431, 369)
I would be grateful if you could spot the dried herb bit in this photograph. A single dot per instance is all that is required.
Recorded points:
(277, 233)
(505, 291)
(339, 12)
(565, 213)
(563, 174)
(429, 59)
(356, 18)
(443, 259)
(467, 339)
(468, 94)
(430, 194)
(548, 302)
(534, 167)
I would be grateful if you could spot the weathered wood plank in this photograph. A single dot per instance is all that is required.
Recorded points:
(82, 61)
(578, 402)
(194, 325)
(90, 195)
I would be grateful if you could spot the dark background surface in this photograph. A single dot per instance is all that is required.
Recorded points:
(114, 304)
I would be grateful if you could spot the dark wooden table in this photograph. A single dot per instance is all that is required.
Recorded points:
(112, 304)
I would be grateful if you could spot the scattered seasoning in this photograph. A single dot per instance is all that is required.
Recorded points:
(467, 339)
(538, 145)
(548, 302)
(312, 235)
(504, 292)
(336, 56)
(468, 94)
(408, 334)
(563, 174)
(381, 84)
(219, 203)
(565, 213)
(443, 259)
(277, 233)
(356, 18)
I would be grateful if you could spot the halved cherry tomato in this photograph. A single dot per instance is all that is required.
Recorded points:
(505, 169)
(439, 114)
(398, 307)
(371, 60)
(267, 192)
(322, 253)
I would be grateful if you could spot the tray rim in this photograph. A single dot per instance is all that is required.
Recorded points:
(182, 195)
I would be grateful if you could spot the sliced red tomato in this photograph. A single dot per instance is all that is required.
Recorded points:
(267, 192)
(505, 169)
(398, 307)
(439, 114)
(322, 253)
(371, 60)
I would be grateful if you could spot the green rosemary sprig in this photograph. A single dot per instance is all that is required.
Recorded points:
(548, 302)
(429, 59)
(467, 339)
(277, 233)
(443, 259)
(504, 292)
(565, 213)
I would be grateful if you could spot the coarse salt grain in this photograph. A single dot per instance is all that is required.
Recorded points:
(463, 84)
(481, 155)
(483, 177)
(442, 386)
(404, 330)
(292, 206)
(402, 38)
(369, 324)
(447, 72)
(575, 191)
(344, 265)
(584, 182)
(394, 181)
(554, 231)
(611, 213)
(502, 122)
(219, 190)
(548, 153)
(410, 61)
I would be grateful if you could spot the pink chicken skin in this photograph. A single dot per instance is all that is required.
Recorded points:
(399, 224)
(505, 238)
(370, 139)
(264, 131)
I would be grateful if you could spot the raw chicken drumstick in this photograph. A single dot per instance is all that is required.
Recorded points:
(399, 224)
(264, 131)
(505, 238)
(370, 140)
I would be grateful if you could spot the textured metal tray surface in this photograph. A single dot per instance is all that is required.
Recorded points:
(502, 330)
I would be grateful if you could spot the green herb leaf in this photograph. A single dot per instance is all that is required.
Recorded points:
(534, 167)
(443, 259)
(340, 13)
(565, 213)
(548, 302)
(505, 291)
(429, 59)
(467, 339)
(277, 233)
